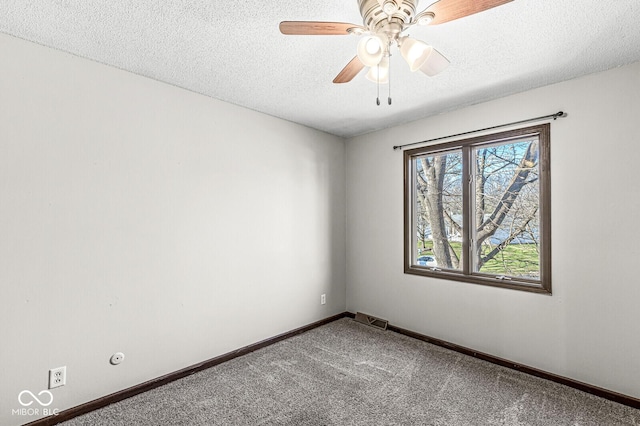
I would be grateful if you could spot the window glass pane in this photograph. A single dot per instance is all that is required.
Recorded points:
(506, 209)
(438, 210)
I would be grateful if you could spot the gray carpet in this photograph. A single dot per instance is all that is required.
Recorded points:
(347, 373)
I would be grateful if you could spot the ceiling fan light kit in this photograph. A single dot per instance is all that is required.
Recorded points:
(380, 72)
(384, 24)
(371, 49)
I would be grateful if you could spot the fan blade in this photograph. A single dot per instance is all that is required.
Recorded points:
(315, 28)
(449, 10)
(351, 70)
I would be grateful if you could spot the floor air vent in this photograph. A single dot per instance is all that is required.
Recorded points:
(372, 321)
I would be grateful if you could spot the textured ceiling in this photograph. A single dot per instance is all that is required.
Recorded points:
(233, 51)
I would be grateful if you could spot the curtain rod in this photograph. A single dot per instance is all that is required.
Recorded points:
(555, 116)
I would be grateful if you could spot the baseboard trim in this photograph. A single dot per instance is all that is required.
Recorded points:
(585, 387)
(163, 380)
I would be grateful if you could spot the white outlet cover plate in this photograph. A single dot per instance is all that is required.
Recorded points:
(57, 377)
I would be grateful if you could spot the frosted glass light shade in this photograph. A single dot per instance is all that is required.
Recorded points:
(381, 70)
(435, 63)
(415, 52)
(370, 51)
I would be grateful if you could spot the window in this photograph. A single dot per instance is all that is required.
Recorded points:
(478, 210)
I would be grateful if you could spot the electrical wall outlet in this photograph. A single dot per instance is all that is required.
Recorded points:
(323, 299)
(57, 377)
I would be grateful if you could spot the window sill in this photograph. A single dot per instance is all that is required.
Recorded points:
(482, 279)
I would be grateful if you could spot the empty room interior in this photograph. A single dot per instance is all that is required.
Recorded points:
(187, 184)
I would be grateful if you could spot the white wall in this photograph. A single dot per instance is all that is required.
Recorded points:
(588, 329)
(143, 218)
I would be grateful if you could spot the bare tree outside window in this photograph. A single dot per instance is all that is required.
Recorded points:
(438, 203)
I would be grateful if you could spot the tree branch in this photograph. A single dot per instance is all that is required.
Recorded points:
(518, 181)
(511, 237)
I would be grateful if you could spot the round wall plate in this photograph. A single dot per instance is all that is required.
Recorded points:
(117, 358)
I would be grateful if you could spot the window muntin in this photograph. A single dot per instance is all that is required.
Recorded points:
(480, 209)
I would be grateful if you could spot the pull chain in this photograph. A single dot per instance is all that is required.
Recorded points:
(378, 84)
(389, 76)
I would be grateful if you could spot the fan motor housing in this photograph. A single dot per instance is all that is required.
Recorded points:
(374, 18)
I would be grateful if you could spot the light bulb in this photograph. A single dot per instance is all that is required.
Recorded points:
(370, 50)
(372, 46)
(415, 52)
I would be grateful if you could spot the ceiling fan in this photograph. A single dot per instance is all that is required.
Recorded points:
(384, 25)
